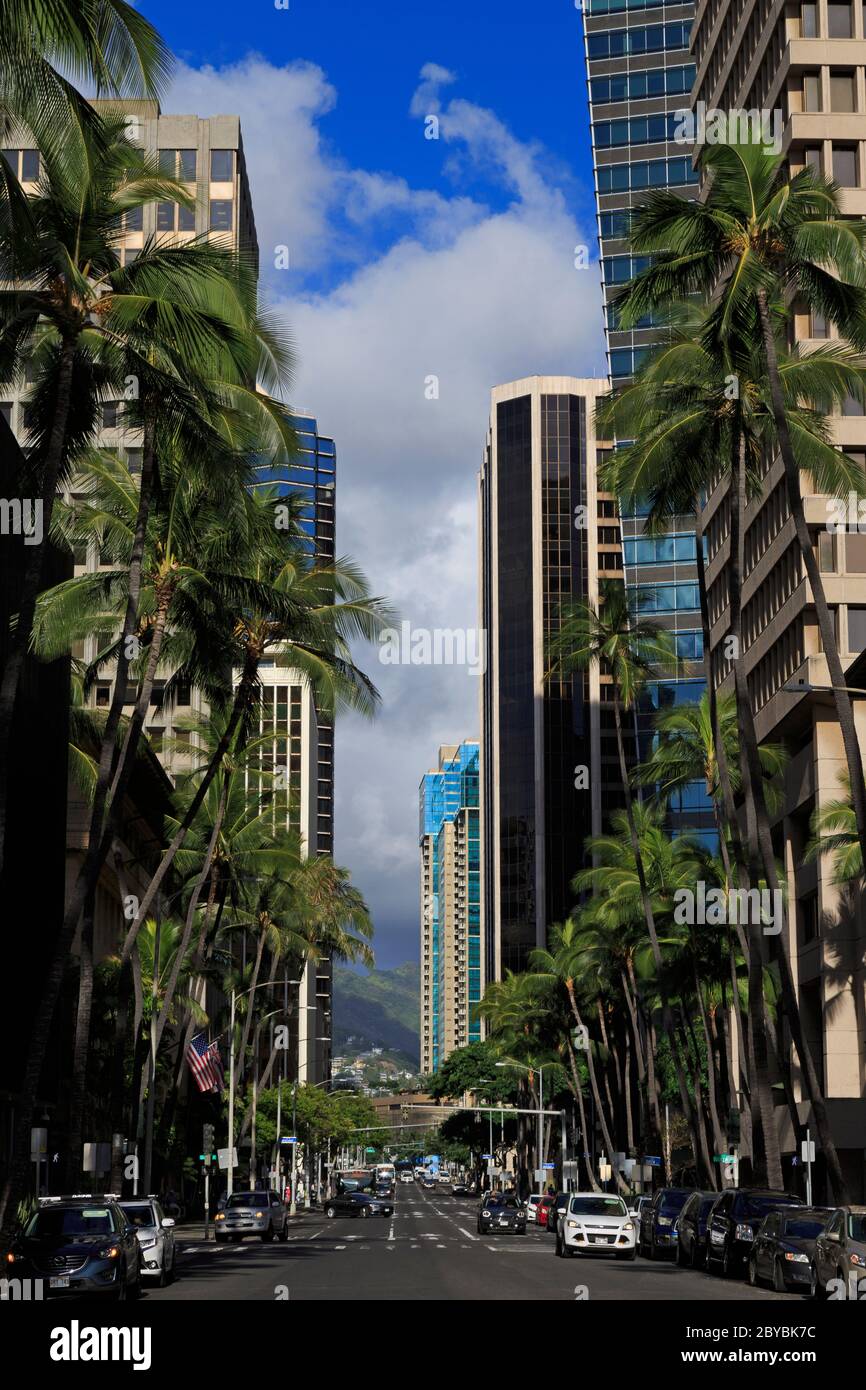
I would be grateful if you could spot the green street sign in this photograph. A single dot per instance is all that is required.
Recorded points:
(723, 1158)
(369, 1151)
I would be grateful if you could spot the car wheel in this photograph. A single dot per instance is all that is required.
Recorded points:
(122, 1291)
(364, 1213)
(284, 1233)
(813, 1281)
(330, 1212)
(681, 1257)
(726, 1263)
(163, 1277)
(778, 1278)
(268, 1235)
(753, 1272)
(172, 1269)
(626, 1254)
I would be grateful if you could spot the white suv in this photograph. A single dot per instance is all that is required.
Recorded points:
(532, 1204)
(594, 1224)
(155, 1233)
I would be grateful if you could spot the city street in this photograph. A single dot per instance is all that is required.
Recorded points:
(429, 1250)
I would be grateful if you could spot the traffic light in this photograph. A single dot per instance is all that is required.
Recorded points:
(207, 1143)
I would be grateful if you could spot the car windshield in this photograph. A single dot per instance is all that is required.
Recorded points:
(51, 1222)
(857, 1225)
(759, 1205)
(598, 1206)
(510, 1202)
(139, 1214)
(673, 1201)
(248, 1199)
(802, 1227)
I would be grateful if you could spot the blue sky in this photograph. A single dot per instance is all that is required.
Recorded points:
(409, 258)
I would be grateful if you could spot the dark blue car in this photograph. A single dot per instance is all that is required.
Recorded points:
(692, 1229)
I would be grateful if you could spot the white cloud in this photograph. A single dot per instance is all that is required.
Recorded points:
(416, 283)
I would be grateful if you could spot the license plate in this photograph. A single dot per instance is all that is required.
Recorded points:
(60, 1281)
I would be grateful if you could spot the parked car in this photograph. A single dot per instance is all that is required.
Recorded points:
(636, 1206)
(595, 1223)
(155, 1232)
(657, 1234)
(733, 1221)
(557, 1211)
(261, 1214)
(783, 1251)
(533, 1202)
(542, 1213)
(840, 1253)
(357, 1204)
(691, 1228)
(78, 1245)
(500, 1212)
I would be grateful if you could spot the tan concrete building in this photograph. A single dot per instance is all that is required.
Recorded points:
(806, 62)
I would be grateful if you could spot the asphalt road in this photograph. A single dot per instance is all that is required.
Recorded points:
(429, 1249)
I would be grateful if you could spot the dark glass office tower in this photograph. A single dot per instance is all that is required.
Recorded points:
(541, 542)
(640, 73)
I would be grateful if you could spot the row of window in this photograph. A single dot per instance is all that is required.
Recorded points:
(171, 217)
(626, 361)
(647, 38)
(659, 550)
(632, 86)
(619, 269)
(655, 319)
(618, 6)
(645, 173)
(640, 130)
(667, 598)
(183, 164)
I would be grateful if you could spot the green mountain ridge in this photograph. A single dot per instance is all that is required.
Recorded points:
(379, 1009)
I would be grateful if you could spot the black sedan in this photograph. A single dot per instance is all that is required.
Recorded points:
(78, 1245)
(498, 1213)
(358, 1204)
(783, 1251)
(692, 1228)
(733, 1222)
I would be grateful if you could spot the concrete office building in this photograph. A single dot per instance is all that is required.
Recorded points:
(546, 536)
(806, 62)
(452, 967)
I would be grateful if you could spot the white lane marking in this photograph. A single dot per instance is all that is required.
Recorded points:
(314, 1235)
(440, 1247)
(467, 1234)
(339, 1247)
(391, 1231)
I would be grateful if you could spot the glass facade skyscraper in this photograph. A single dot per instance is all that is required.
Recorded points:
(640, 73)
(451, 936)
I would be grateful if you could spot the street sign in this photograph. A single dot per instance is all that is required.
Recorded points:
(288, 1139)
(487, 1157)
(369, 1150)
(223, 1156)
(549, 1165)
(723, 1158)
(652, 1161)
(807, 1150)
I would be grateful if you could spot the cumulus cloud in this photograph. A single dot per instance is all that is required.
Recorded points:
(392, 284)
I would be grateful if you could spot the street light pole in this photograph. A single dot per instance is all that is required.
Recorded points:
(231, 1169)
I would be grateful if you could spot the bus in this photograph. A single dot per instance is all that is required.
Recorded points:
(385, 1172)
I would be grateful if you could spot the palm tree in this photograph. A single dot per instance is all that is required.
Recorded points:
(761, 238)
(104, 44)
(834, 832)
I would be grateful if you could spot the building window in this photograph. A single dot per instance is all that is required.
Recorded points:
(133, 220)
(856, 629)
(186, 219)
(221, 166)
(811, 91)
(133, 460)
(845, 166)
(103, 696)
(808, 21)
(809, 918)
(165, 217)
(110, 414)
(840, 21)
(187, 165)
(220, 215)
(29, 166)
(826, 552)
(842, 91)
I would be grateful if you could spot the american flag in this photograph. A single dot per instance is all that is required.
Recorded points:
(204, 1063)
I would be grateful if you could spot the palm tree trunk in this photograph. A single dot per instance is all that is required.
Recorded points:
(584, 1129)
(80, 1051)
(712, 1096)
(653, 1097)
(19, 637)
(593, 1082)
(763, 1116)
(845, 716)
(685, 1099)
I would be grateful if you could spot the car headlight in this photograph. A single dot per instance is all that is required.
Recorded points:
(148, 1242)
(220, 1216)
(259, 1215)
(857, 1260)
(797, 1256)
(744, 1232)
(629, 1226)
(110, 1252)
(11, 1257)
(572, 1224)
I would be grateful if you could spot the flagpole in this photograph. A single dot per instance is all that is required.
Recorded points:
(231, 1170)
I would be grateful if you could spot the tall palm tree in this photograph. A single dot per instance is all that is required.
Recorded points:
(762, 237)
